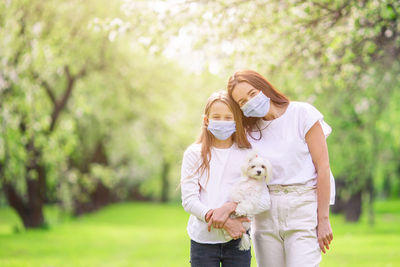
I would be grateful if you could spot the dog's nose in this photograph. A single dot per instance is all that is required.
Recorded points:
(258, 172)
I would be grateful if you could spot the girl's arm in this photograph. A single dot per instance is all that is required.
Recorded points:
(190, 187)
(316, 142)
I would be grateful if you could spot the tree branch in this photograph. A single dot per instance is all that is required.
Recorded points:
(46, 86)
(60, 104)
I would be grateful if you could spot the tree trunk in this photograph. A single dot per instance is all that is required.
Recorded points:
(353, 207)
(386, 190)
(164, 181)
(101, 195)
(340, 203)
(99, 198)
(371, 194)
(134, 194)
(31, 213)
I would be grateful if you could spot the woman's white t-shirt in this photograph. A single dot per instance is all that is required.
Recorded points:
(283, 143)
(199, 195)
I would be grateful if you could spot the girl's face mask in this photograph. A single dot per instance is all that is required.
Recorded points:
(222, 130)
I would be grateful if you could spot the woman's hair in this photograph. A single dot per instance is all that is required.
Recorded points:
(206, 138)
(259, 82)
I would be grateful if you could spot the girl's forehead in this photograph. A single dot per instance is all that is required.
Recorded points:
(219, 107)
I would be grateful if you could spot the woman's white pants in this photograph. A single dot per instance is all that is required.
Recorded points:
(286, 234)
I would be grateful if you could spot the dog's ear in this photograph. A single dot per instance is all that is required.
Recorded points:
(269, 170)
(244, 168)
(251, 155)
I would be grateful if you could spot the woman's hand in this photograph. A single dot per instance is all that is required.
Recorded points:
(220, 215)
(324, 232)
(208, 215)
(235, 228)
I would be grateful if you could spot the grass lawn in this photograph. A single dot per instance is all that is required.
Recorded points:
(143, 234)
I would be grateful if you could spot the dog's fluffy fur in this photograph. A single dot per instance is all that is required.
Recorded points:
(248, 191)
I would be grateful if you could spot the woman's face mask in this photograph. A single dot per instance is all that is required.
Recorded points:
(258, 106)
(222, 130)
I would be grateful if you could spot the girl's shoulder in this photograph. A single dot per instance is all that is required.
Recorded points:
(193, 149)
(192, 154)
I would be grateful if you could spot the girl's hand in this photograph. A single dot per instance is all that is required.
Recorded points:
(220, 215)
(235, 228)
(324, 232)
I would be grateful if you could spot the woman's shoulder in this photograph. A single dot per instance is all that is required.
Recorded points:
(298, 105)
(304, 108)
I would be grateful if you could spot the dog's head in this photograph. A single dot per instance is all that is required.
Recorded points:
(257, 167)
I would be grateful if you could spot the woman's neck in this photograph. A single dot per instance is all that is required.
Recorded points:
(223, 143)
(274, 112)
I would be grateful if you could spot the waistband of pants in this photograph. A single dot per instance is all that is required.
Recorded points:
(277, 188)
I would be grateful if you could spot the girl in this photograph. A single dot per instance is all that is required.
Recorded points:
(291, 135)
(209, 168)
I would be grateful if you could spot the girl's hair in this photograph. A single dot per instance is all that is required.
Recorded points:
(259, 82)
(206, 139)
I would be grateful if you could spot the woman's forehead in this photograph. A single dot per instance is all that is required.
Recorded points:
(242, 89)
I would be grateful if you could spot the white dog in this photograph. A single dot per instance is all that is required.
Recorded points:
(251, 192)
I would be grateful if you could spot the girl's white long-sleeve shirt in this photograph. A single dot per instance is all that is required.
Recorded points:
(200, 194)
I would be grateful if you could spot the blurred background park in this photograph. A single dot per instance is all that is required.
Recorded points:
(99, 99)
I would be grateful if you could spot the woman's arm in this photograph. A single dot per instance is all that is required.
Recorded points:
(190, 187)
(316, 142)
(235, 228)
(220, 215)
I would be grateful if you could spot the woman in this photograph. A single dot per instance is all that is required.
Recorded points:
(209, 168)
(291, 135)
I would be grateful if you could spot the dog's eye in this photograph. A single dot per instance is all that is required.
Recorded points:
(253, 166)
(262, 166)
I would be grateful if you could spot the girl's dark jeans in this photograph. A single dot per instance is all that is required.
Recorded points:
(222, 254)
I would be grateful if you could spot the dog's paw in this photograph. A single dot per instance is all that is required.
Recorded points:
(240, 212)
(227, 236)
